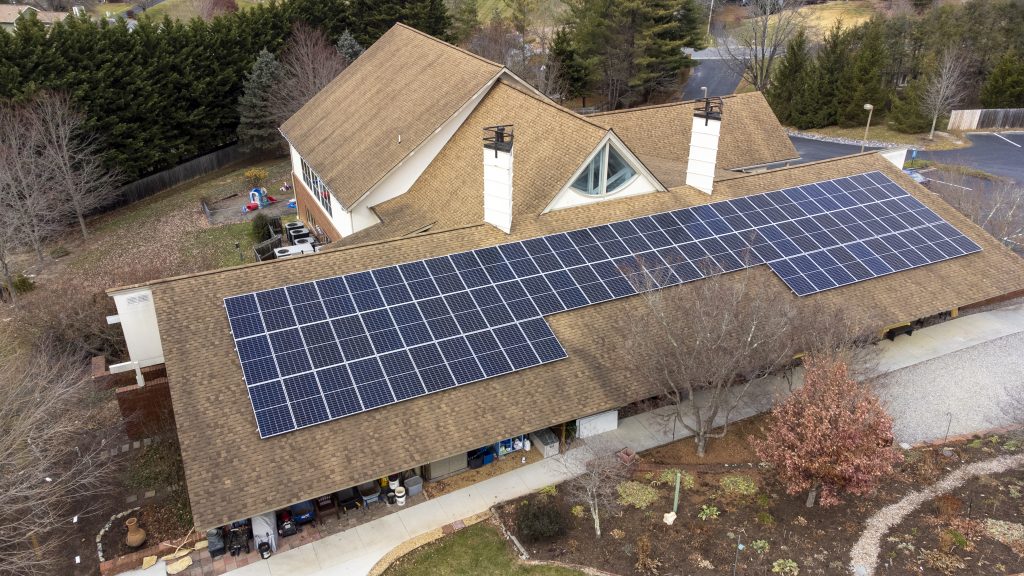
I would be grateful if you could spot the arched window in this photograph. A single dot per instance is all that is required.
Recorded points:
(606, 173)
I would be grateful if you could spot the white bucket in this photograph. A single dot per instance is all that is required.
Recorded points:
(400, 496)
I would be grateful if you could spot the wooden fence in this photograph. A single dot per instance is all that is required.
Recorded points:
(194, 168)
(987, 118)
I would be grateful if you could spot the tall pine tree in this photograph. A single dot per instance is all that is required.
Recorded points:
(864, 82)
(1004, 87)
(257, 130)
(789, 77)
(830, 68)
(348, 46)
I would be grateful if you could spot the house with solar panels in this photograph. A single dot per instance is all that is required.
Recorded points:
(473, 290)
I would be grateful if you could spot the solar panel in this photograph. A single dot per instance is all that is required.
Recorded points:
(327, 349)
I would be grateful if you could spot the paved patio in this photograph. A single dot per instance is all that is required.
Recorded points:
(356, 550)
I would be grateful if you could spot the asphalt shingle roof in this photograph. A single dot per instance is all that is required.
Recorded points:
(231, 473)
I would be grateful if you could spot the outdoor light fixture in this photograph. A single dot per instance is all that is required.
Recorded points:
(870, 109)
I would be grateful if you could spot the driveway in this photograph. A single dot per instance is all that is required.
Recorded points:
(999, 154)
(713, 71)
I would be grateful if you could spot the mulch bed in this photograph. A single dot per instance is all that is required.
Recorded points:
(817, 539)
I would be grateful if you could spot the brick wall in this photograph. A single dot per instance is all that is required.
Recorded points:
(104, 380)
(146, 410)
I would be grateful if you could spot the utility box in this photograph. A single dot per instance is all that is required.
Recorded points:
(545, 441)
(596, 424)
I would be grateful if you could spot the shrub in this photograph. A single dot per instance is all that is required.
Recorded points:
(687, 481)
(260, 227)
(765, 518)
(578, 511)
(786, 567)
(618, 534)
(538, 521)
(548, 491)
(256, 177)
(22, 284)
(760, 547)
(59, 252)
(943, 562)
(832, 433)
(708, 512)
(645, 562)
(636, 494)
(738, 486)
(948, 506)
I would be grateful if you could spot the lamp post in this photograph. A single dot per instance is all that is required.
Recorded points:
(711, 11)
(870, 109)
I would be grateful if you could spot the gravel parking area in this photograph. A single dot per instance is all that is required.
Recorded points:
(969, 390)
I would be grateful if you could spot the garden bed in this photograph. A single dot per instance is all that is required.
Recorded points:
(753, 509)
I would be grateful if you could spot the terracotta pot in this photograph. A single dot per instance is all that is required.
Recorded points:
(136, 536)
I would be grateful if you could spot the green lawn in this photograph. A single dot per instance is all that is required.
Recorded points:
(479, 550)
(186, 9)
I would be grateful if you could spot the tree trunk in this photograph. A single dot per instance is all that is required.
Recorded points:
(8, 281)
(702, 443)
(597, 519)
(935, 119)
(38, 247)
(812, 495)
(81, 223)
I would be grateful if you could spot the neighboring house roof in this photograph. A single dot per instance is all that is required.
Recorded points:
(231, 473)
(9, 13)
(660, 135)
(382, 107)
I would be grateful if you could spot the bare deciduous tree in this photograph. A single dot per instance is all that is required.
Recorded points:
(51, 466)
(946, 87)
(706, 346)
(27, 190)
(599, 473)
(71, 154)
(210, 9)
(761, 37)
(999, 209)
(307, 63)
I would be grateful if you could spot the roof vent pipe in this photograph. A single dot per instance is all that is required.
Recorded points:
(498, 177)
(707, 127)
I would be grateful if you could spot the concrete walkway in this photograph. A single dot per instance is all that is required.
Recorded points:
(356, 551)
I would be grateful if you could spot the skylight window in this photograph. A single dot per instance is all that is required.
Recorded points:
(607, 173)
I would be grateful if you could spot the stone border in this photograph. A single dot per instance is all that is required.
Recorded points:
(106, 528)
(850, 141)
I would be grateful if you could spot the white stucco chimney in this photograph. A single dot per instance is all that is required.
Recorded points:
(498, 177)
(707, 126)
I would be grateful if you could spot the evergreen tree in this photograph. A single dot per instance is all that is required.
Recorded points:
(830, 66)
(1004, 87)
(465, 20)
(257, 130)
(907, 115)
(788, 77)
(865, 82)
(348, 47)
(572, 73)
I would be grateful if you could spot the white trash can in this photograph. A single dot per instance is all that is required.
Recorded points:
(400, 496)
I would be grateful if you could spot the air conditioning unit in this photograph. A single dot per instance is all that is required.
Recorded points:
(293, 225)
(289, 251)
(297, 233)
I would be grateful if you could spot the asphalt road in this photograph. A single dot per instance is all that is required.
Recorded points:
(720, 79)
(814, 150)
(989, 153)
(995, 154)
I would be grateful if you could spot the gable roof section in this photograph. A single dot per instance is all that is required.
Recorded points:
(9, 14)
(551, 143)
(660, 135)
(208, 392)
(382, 107)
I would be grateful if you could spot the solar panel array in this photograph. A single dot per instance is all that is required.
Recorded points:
(327, 349)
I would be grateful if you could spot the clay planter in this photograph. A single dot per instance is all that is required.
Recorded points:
(136, 536)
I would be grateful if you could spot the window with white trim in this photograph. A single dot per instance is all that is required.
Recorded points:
(607, 173)
(317, 187)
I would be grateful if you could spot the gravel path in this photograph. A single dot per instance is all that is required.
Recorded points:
(864, 555)
(966, 390)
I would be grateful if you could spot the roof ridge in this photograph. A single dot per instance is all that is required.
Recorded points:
(663, 105)
(554, 105)
(448, 44)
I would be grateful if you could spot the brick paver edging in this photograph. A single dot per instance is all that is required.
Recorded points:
(425, 538)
